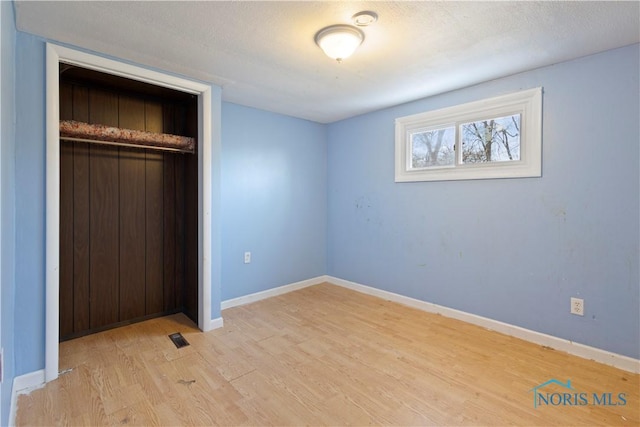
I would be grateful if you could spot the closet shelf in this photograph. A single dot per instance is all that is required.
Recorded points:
(95, 133)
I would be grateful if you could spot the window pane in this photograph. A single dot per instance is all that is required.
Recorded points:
(433, 148)
(494, 140)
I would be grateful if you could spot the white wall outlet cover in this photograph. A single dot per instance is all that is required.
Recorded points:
(577, 306)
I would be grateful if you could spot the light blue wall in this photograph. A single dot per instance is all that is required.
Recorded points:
(30, 203)
(308, 199)
(7, 200)
(514, 250)
(274, 178)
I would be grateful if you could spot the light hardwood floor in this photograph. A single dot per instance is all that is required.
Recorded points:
(323, 355)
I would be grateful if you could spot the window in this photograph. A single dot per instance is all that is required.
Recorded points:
(493, 138)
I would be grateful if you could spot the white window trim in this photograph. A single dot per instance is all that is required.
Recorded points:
(527, 103)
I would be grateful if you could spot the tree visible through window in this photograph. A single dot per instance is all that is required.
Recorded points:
(493, 140)
(433, 148)
(498, 137)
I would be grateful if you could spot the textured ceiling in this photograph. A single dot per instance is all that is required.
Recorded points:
(263, 53)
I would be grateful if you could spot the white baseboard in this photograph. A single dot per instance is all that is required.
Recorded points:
(608, 358)
(247, 299)
(215, 324)
(581, 350)
(23, 384)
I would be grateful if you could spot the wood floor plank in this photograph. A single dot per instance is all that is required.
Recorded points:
(322, 355)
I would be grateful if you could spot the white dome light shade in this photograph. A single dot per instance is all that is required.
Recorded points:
(339, 41)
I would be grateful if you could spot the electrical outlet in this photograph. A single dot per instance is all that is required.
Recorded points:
(247, 257)
(577, 306)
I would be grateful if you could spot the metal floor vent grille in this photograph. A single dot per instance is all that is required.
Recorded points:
(178, 340)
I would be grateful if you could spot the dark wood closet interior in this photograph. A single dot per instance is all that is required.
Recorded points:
(128, 216)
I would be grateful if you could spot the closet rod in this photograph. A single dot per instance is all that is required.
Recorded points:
(124, 144)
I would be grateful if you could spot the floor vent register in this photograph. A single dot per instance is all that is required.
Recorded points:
(178, 340)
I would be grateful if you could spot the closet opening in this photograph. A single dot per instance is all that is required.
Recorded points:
(128, 201)
(208, 180)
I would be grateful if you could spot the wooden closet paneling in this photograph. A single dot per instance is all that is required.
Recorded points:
(154, 233)
(131, 114)
(122, 216)
(66, 101)
(132, 249)
(66, 215)
(66, 218)
(180, 285)
(104, 216)
(80, 104)
(66, 236)
(191, 238)
(103, 241)
(103, 107)
(153, 117)
(81, 233)
(132, 233)
(169, 233)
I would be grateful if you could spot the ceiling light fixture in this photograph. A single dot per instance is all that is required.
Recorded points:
(339, 41)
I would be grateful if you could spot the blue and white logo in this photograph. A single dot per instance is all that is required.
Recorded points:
(571, 397)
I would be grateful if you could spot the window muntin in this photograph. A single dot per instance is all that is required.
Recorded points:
(493, 138)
